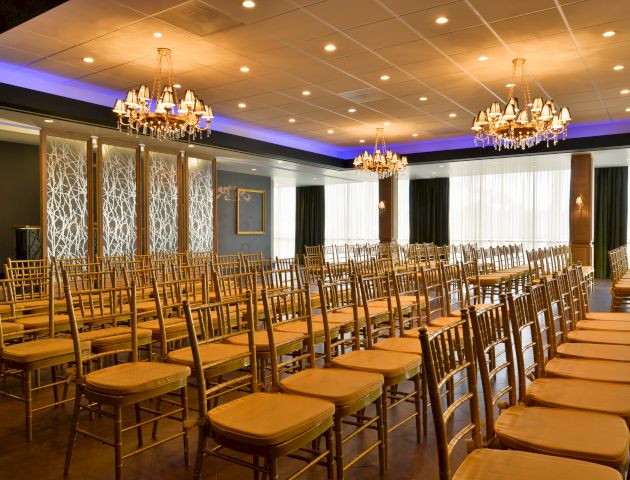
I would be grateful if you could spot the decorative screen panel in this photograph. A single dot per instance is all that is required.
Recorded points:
(120, 235)
(200, 205)
(163, 196)
(66, 204)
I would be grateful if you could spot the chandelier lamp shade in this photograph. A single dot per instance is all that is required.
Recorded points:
(524, 125)
(159, 112)
(382, 161)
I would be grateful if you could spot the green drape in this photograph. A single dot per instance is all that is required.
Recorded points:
(428, 211)
(611, 214)
(309, 217)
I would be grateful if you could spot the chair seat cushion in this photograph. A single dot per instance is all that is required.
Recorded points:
(103, 337)
(211, 354)
(443, 321)
(595, 437)
(621, 287)
(301, 327)
(337, 385)
(603, 325)
(5, 309)
(598, 351)
(143, 306)
(595, 336)
(488, 464)
(398, 344)
(136, 377)
(261, 340)
(11, 327)
(37, 350)
(613, 398)
(492, 278)
(389, 364)
(33, 304)
(267, 419)
(616, 316)
(598, 370)
(458, 313)
(172, 326)
(41, 321)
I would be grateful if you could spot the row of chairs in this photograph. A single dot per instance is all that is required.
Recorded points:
(620, 289)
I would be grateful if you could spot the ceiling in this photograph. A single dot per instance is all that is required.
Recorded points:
(282, 42)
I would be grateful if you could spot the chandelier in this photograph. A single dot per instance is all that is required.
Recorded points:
(384, 164)
(158, 111)
(512, 127)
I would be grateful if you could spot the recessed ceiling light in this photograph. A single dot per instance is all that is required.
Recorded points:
(253, 169)
(628, 109)
(48, 120)
(452, 115)
(352, 110)
(625, 91)
(441, 20)
(280, 161)
(242, 105)
(330, 47)
(177, 85)
(244, 69)
(510, 85)
(314, 178)
(88, 59)
(387, 124)
(618, 67)
(306, 93)
(361, 141)
(609, 33)
(483, 58)
(249, 4)
(441, 166)
(157, 34)
(384, 77)
(414, 134)
(330, 131)
(291, 120)
(191, 146)
(423, 99)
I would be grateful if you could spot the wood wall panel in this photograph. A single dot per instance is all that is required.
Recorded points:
(581, 222)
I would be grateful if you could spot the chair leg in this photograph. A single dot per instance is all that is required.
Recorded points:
(118, 441)
(338, 446)
(330, 459)
(73, 429)
(27, 386)
(201, 447)
(418, 403)
(184, 395)
(158, 407)
(382, 436)
(425, 404)
(138, 420)
(385, 424)
(53, 375)
(273, 468)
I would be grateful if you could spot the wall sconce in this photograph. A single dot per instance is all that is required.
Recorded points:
(381, 207)
(579, 203)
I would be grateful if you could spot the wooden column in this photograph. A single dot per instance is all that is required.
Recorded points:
(388, 217)
(581, 221)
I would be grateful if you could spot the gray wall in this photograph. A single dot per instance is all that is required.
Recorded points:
(19, 191)
(229, 241)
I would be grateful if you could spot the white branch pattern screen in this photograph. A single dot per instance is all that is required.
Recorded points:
(120, 235)
(66, 203)
(163, 195)
(200, 205)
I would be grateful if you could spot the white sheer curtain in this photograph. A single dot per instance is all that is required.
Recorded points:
(351, 213)
(284, 222)
(519, 207)
(403, 210)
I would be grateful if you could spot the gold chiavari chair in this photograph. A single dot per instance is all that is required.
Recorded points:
(7, 307)
(143, 279)
(33, 286)
(289, 262)
(123, 385)
(312, 251)
(448, 356)
(278, 424)
(582, 435)
(341, 253)
(350, 391)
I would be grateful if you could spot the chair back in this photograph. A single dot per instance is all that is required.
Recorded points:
(431, 280)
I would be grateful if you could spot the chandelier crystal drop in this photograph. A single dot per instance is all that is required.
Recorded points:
(383, 162)
(157, 111)
(521, 126)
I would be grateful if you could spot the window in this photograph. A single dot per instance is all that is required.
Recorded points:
(284, 222)
(351, 213)
(520, 207)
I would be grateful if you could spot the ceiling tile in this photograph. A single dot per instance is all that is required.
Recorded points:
(382, 34)
(294, 26)
(417, 50)
(344, 14)
(491, 10)
(32, 42)
(593, 12)
(459, 15)
(471, 39)
(525, 27)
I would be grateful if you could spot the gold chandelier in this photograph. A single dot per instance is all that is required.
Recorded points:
(513, 128)
(158, 111)
(384, 164)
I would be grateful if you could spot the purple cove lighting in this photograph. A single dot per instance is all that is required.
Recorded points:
(34, 79)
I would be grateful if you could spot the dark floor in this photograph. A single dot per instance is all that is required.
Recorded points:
(43, 458)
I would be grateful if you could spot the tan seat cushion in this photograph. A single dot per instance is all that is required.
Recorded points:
(267, 419)
(106, 337)
(598, 370)
(172, 326)
(487, 464)
(11, 327)
(595, 437)
(492, 279)
(41, 321)
(595, 336)
(5, 309)
(337, 385)
(458, 313)
(621, 287)
(603, 325)
(143, 306)
(261, 340)
(37, 350)
(137, 377)
(613, 398)
(211, 354)
(443, 321)
(617, 316)
(301, 327)
(389, 364)
(398, 344)
(33, 304)
(598, 351)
